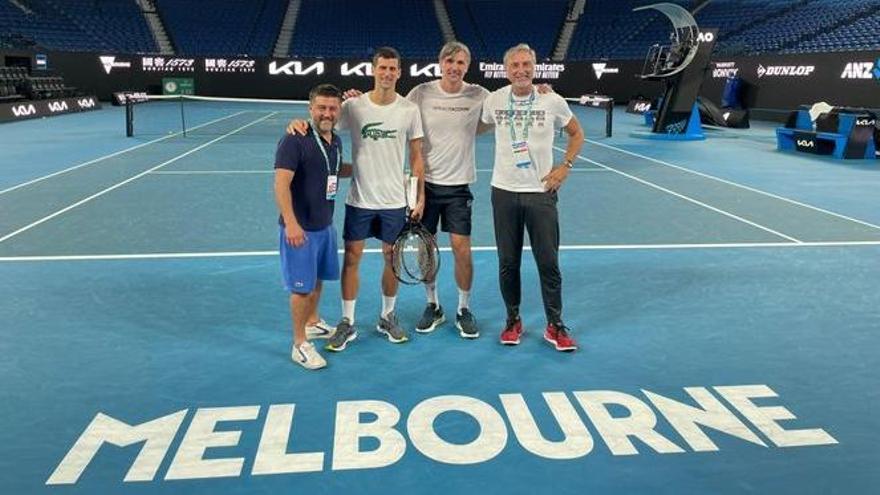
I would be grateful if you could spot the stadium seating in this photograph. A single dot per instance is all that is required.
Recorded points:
(797, 25)
(79, 25)
(608, 29)
(489, 27)
(223, 27)
(345, 29)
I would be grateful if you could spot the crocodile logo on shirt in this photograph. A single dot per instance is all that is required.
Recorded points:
(371, 131)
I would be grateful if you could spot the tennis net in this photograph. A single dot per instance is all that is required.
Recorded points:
(189, 115)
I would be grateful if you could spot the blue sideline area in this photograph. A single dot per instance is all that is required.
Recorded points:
(144, 286)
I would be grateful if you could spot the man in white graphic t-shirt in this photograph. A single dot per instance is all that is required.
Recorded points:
(450, 109)
(382, 124)
(524, 185)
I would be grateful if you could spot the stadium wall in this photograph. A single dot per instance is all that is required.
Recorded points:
(776, 82)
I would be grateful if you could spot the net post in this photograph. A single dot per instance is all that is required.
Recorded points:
(609, 114)
(129, 117)
(182, 117)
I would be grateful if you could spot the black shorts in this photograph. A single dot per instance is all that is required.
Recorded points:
(450, 206)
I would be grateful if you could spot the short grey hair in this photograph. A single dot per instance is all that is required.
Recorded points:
(453, 47)
(522, 47)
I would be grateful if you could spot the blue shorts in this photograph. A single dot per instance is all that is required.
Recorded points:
(384, 225)
(302, 266)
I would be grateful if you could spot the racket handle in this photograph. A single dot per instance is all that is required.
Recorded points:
(412, 192)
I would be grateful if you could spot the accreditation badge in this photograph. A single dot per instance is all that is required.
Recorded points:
(332, 184)
(521, 154)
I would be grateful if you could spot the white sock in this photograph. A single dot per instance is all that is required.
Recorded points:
(431, 291)
(388, 304)
(348, 310)
(464, 297)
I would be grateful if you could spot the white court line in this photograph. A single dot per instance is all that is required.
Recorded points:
(210, 172)
(689, 199)
(579, 247)
(220, 172)
(111, 155)
(126, 181)
(736, 184)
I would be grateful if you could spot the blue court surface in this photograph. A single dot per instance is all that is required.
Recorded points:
(724, 296)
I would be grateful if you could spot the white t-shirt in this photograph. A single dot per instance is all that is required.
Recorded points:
(547, 113)
(450, 121)
(379, 138)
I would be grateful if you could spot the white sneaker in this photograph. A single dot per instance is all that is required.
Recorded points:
(320, 330)
(306, 356)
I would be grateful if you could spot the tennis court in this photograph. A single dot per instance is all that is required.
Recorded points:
(140, 282)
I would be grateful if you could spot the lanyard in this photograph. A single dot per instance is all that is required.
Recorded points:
(324, 153)
(528, 112)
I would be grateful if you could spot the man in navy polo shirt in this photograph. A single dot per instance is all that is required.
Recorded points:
(307, 170)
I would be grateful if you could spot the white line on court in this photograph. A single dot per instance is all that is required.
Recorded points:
(210, 172)
(126, 181)
(688, 198)
(736, 184)
(111, 155)
(221, 172)
(578, 247)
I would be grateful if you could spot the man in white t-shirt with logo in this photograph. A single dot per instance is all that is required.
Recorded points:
(525, 182)
(382, 124)
(450, 110)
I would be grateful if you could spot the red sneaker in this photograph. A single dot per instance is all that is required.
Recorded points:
(558, 336)
(510, 335)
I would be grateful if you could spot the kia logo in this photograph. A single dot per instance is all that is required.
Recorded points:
(86, 103)
(430, 70)
(57, 106)
(806, 143)
(23, 110)
(865, 122)
(295, 68)
(361, 69)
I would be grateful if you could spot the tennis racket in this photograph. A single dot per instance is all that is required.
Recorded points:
(415, 256)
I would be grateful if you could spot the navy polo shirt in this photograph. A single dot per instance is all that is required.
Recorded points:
(301, 155)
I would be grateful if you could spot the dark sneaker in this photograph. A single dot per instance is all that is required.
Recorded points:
(432, 318)
(557, 334)
(345, 333)
(466, 324)
(512, 332)
(389, 327)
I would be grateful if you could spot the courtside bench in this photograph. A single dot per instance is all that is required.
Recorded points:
(842, 133)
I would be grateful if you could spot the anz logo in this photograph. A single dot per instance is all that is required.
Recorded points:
(806, 143)
(295, 68)
(862, 70)
(24, 110)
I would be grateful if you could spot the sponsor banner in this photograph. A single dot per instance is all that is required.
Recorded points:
(785, 70)
(772, 81)
(45, 108)
(230, 65)
(168, 64)
(602, 68)
(119, 98)
(178, 86)
(638, 106)
(41, 61)
(861, 70)
(724, 70)
(111, 62)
